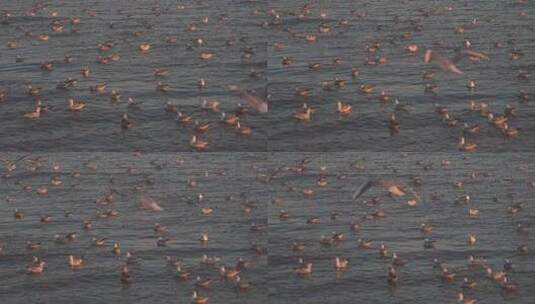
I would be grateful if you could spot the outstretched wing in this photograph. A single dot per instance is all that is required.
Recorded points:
(257, 103)
(363, 188)
(468, 53)
(441, 61)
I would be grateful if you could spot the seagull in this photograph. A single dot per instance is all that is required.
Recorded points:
(363, 188)
(394, 189)
(257, 103)
(449, 65)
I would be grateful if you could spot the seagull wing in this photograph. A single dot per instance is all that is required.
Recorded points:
(363, 188)
(442, 62)
(468, 53)
(257, 103)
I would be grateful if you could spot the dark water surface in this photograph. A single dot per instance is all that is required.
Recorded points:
(496, 185)
(97, 128)
(267, 184)
(305, 169)
(227, 183)
(251, 61)
(384, 22)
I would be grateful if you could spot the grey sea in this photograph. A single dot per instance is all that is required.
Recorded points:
(248, 194)
(243, 37)
(396, 136)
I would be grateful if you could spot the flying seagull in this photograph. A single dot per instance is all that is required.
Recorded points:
(450, 65)
(394, 189)
(363, 188)
(255, 102)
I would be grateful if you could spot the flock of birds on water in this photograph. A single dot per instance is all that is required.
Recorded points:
(218, 269)
(379, 193)
(247, 102)
(212, 114)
